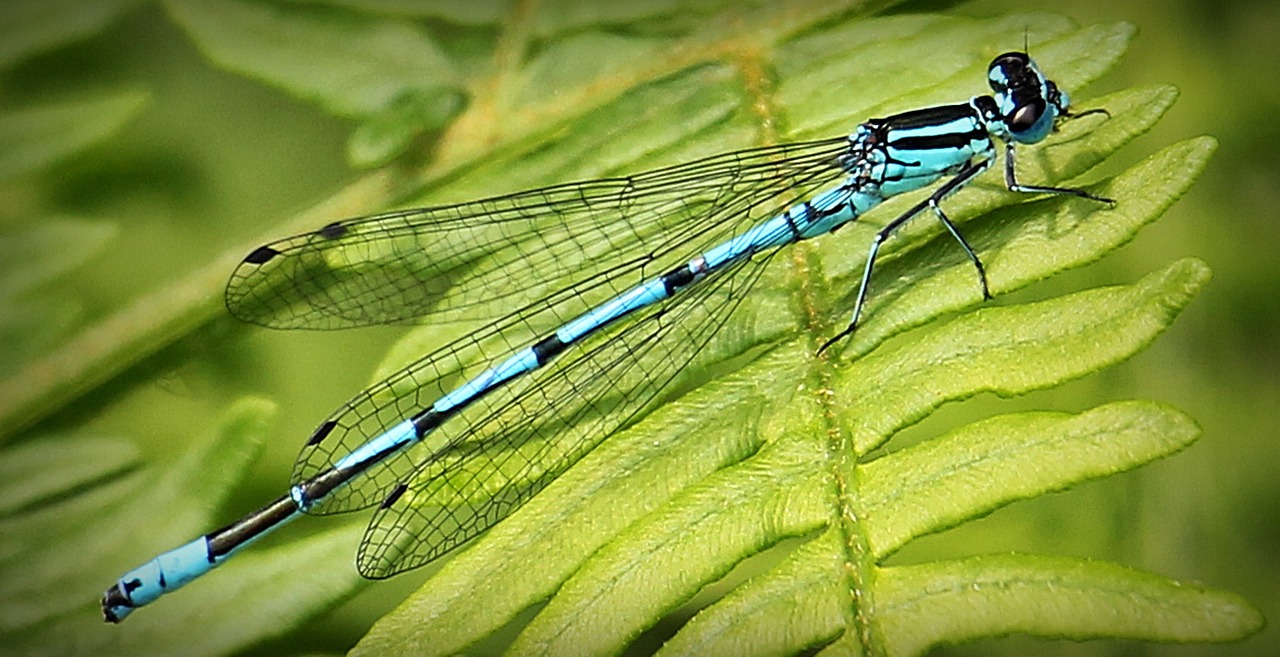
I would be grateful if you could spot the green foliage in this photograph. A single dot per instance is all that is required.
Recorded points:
(29, 27)
(754, 512)
(31, 139)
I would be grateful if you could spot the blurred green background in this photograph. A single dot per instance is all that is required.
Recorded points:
(204, 163)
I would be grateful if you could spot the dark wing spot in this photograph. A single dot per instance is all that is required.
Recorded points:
(321, 433)
(333, 231)
(394, 495)
(261, 255)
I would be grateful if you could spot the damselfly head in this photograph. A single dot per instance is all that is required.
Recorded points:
(1028, 102)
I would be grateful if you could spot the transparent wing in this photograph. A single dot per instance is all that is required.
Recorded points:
(467, 261)
(504, 447)
(543, 425)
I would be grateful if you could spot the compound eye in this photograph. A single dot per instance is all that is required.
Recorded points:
(1026, 116)
(1006, 69)
(1010, 61)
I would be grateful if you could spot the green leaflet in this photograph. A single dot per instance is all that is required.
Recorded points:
(1043, 595)
(58, 554)
(28, 28)
(32, 261)
(35, 137)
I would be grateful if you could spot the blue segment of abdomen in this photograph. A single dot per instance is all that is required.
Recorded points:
(646, 293)
(168, 571)
(820, 215)
(773, 232)
(522, 362)
(172, 570)
(398, 436)
(836, 207)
